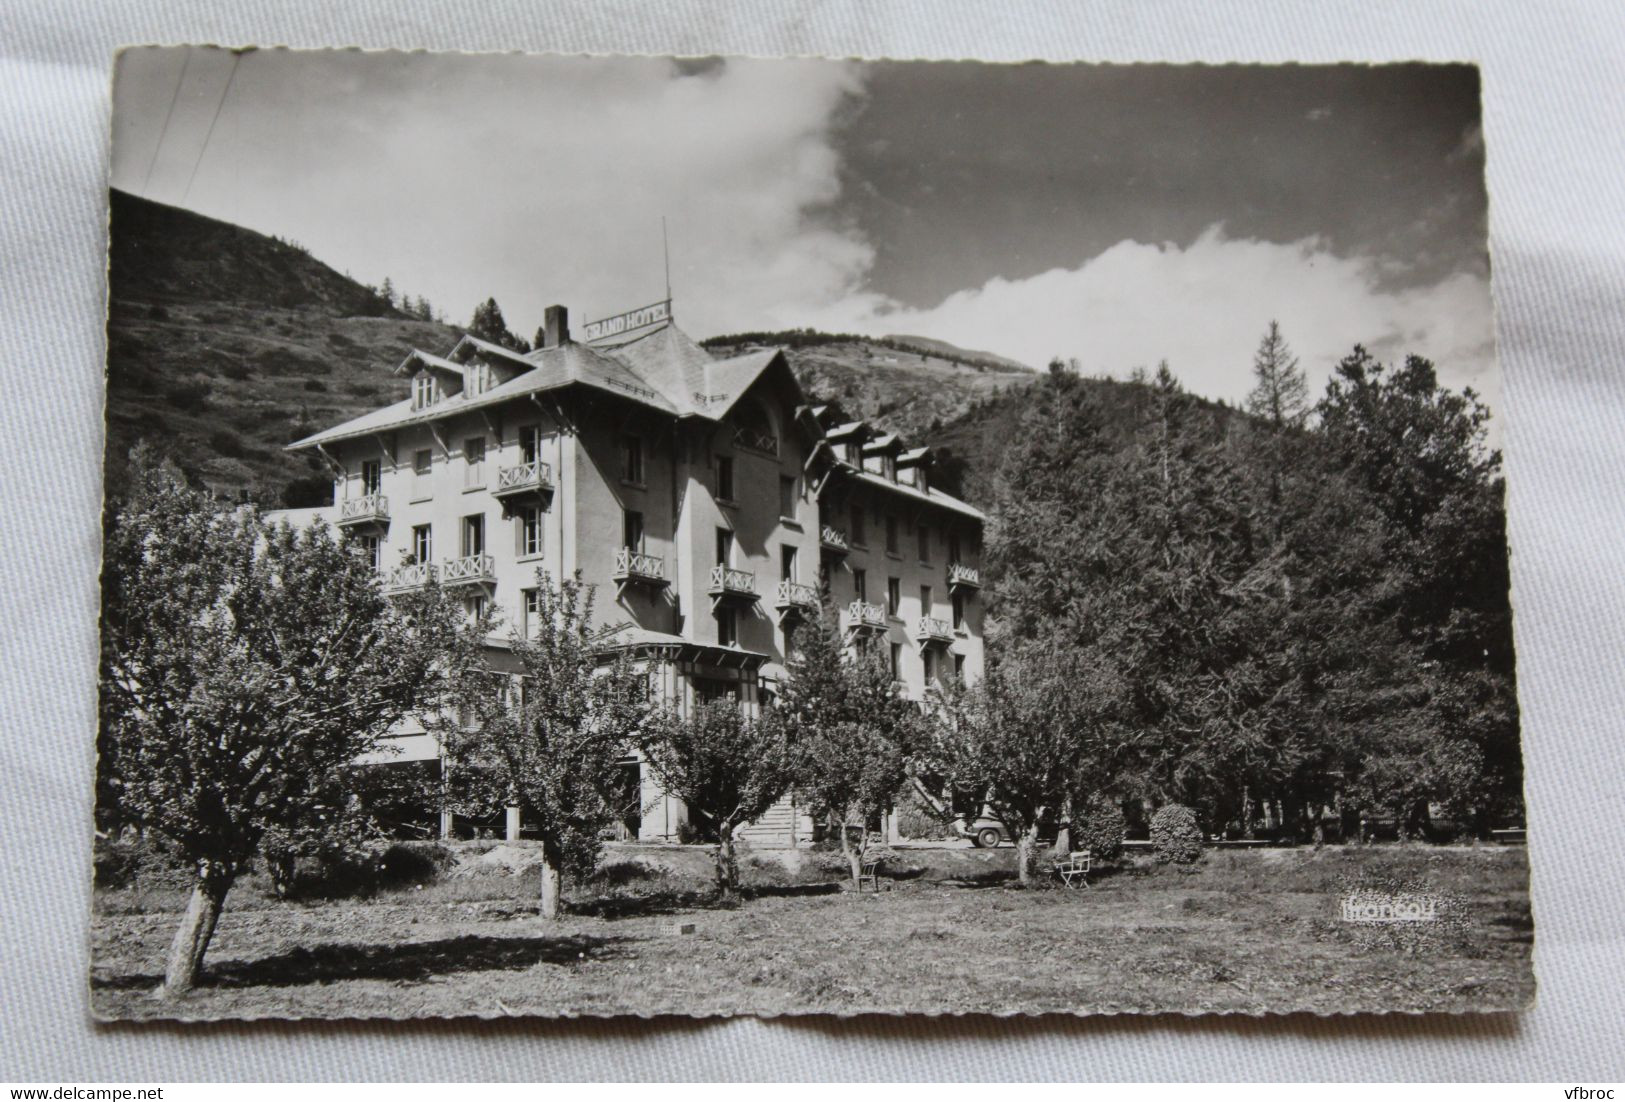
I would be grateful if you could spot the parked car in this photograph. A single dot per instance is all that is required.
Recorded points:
(988, 831)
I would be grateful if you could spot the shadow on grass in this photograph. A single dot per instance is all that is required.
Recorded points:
(419, 960)
(766, 891)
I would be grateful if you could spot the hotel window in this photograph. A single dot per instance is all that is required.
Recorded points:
(891, 534)
(474, 535)
(897, 662)
(422, 473)
(474, 461)
(632, 530)
(372, 549)
(725, 547)
(530, 531)
(474, 607)
(854, 452)
(894, 595)
(953, 547)
(959, 668)
(787, 497)
(479, 378)
(925, 600)
(787, 562)
(857, 525)
(725, 478)
(727, 627)
(422, 544)
(422, 390)
(860, 585)
(924, 533)
(530, 443)
(928, 660)
(959, 609)
(372, 476)
(632, 459)
(530, 612)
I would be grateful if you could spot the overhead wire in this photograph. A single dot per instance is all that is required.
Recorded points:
(186, 63)
(236, 58)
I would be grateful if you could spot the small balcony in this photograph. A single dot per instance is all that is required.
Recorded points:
(357, 512)
(527, 482)
(796, 599)
(469, 570)
(638, 568)
(729, 583)
(964, 576)
(863, 616)
(834, 539)
(410, 576)
(930, 631)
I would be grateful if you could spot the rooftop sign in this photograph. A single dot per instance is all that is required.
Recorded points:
(616, 324)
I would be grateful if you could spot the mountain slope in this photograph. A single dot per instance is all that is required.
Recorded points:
(225, 344)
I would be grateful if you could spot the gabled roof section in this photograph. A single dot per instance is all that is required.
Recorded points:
(517, 359)
(695, 383)
(883, 444)
(931, 496)
(417, 358)
(917, 457)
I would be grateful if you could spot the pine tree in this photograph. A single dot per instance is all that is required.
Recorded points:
(1280, 393)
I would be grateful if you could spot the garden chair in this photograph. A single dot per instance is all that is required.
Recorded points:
(1073, 869)
(869, 870)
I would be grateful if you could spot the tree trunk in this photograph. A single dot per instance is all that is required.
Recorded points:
(550, 886)
(854, 857)
(185, 963)
(1026, 850)
(1063, 830)
(1247, 813)
(727, 866)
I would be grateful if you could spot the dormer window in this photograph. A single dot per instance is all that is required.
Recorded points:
(476, 378)
(422, 390)
(854, 453)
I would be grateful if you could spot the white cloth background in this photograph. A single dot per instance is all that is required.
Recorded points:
(1555, 129)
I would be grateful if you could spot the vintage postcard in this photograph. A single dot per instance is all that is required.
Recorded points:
(647, 536)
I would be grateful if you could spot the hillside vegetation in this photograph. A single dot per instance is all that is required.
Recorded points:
(225, 344)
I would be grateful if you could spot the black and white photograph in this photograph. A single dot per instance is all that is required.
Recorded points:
(720, 536)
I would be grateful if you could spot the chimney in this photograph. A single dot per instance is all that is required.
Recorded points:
(555, 326)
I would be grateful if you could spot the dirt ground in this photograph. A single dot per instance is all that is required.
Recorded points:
(1252, 932)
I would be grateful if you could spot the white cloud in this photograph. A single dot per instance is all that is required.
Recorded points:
(1203, 308)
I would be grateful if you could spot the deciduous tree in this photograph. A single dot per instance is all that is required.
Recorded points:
(242, 665)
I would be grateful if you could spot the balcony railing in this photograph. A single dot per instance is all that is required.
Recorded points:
(369, 509)
(863, 616)
(411, 576)
(636, 566)
(468, 570)
(729, 581)
(834, 539)
(929, 630)
(796, 597)
(964, 576)
(527, 478)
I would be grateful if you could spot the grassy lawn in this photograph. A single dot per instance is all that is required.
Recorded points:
(1254, 932)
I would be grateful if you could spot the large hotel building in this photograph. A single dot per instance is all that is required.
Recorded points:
(704, 499)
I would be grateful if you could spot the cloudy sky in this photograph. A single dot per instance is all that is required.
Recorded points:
(1116, 215)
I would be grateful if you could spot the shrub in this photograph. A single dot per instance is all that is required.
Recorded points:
(315, 386)
(188, 397)
(1102, 830)
(917, 819)
(403, 864)
(1176, 836)
(134, 862)
(226, 444)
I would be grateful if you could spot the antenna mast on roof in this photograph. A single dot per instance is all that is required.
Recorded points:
(665, 251)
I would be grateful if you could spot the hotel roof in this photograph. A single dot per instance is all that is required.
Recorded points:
(664, 370)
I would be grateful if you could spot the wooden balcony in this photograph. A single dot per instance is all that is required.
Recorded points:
(411, 576)
(729, 583)
(356, 512)
(834, 539)
(929, 631)
(469, 570)
(528, 482)
(863, 616)
(964, 576)
(638, 568)
(796, 599)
